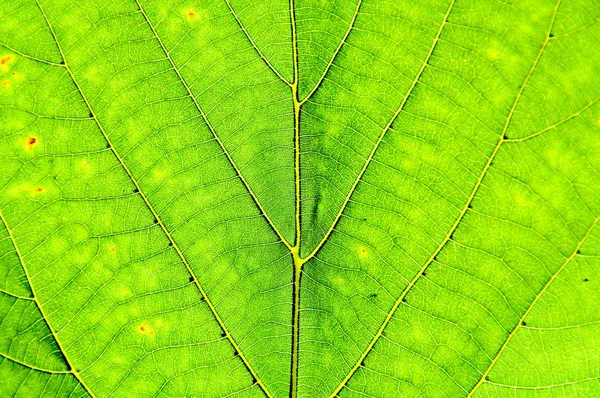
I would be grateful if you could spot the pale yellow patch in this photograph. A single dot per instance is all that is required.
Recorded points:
(160, 174)
(190, 14)
(5, 61)
(146, 328)
(493, 53)
(31, 142)
(363, 253)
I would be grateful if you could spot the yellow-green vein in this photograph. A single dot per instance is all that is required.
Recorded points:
(335, 53)
(461, 215)
(151, 208)
(72, 369)
(210, 127)
(528, 310)
(33, 367)
(260, 54)
(382, 135)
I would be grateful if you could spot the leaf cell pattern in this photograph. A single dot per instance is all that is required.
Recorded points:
(301, 198)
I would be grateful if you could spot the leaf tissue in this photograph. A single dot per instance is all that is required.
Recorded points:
(300, 198)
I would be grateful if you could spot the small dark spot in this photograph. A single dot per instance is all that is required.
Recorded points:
(403, 299)
(586, 280)
(578, 252)
(504, 137)
(31, 140)
(62, 62)
(551, 35)
(91, 115)
(364, 219)
(108, 146)
(235, 353)
(524, 323)
(136, 190)
(424, 273)
(155, 221)
(362, 363)
(223, 334)
(372, 295)
(451, 236)
(202, 298)
(470, 206)
(487, 378)
(191, 278)
(170, 244)
(254, 380)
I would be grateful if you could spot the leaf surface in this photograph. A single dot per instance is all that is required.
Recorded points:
(300, 198)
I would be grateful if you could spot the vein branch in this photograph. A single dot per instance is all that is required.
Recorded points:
(382, 135)
(502, 139)
(261, 55)
(33, 367)
(35, 298)
(210, 127)
(335, 53)
(521, 321)
(149, 205)
(555, 125)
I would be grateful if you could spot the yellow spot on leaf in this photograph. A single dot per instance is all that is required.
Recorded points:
(363, 253)
(190, 14)
(30, 143)
(146, 329)
(160, 175)
(6, 59)
(493, 53)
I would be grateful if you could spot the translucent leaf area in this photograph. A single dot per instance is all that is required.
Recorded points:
(300, 198)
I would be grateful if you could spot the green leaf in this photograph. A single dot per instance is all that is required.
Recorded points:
(300, 198)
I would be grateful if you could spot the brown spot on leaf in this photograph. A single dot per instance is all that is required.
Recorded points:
(6, 83)
(190, 14)
(31, 143)
(6, 59)
(146, 329)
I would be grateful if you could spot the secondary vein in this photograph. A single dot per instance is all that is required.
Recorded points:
(531, 305)
(147, 202)
(448, 237)
(382, 135)
(210, 127)
(35, 298)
